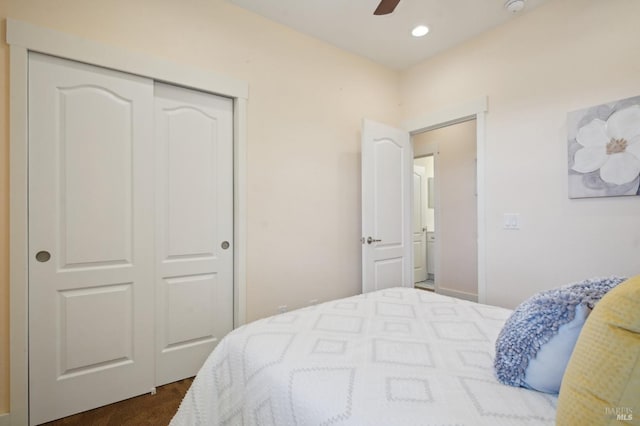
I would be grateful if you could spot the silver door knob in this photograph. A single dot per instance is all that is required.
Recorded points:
(372, 240)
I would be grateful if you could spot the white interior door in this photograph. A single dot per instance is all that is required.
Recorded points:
(386, 207)
(194, 187)
(90, 237)
(419, 224)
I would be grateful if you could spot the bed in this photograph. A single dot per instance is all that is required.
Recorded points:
(398, 356)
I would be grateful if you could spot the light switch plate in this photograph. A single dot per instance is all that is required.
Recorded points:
(512, 221)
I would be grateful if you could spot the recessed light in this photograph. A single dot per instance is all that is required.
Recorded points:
(420, 31)
(514, 6)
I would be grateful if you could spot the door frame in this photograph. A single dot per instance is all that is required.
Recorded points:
(23, 38)
(459, 113)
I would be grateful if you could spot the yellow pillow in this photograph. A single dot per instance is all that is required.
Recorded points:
(601, 385)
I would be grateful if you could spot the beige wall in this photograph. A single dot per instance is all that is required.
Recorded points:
(307, 100)
(456, 225)
(566, 55)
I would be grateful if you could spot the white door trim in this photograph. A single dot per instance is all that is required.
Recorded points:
(476, 108)
(23, 38)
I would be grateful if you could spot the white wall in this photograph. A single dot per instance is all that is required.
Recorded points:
(563, 56)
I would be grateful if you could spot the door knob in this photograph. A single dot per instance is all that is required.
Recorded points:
(43, 256)
(372, 240)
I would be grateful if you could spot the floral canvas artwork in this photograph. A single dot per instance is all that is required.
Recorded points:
(604, 150)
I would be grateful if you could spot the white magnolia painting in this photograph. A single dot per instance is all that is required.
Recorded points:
(604, 150)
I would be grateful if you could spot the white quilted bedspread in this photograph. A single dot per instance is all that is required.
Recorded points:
(393, 357)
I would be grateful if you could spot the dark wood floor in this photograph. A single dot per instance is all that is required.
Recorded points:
(155, 410)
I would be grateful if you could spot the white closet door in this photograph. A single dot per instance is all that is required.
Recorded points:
(194, 200)
(90, 237)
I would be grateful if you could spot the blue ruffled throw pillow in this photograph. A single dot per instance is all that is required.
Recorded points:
(536, 342)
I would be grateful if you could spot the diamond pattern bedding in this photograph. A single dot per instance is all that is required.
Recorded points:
(393, 357)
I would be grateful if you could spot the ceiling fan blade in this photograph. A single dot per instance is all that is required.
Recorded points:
(386, 7)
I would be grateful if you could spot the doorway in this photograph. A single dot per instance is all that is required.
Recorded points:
(398, 266)
(447, 232)
(424, 222)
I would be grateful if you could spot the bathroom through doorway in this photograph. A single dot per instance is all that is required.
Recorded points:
(445, 210)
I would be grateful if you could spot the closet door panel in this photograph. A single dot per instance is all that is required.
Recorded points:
(95, 158)
(191, 196)
(194, 199)
(90, 237)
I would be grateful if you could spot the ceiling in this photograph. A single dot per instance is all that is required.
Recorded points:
(351, 25)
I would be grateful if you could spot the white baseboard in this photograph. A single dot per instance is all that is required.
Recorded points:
(458, 294)
(5, 419)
